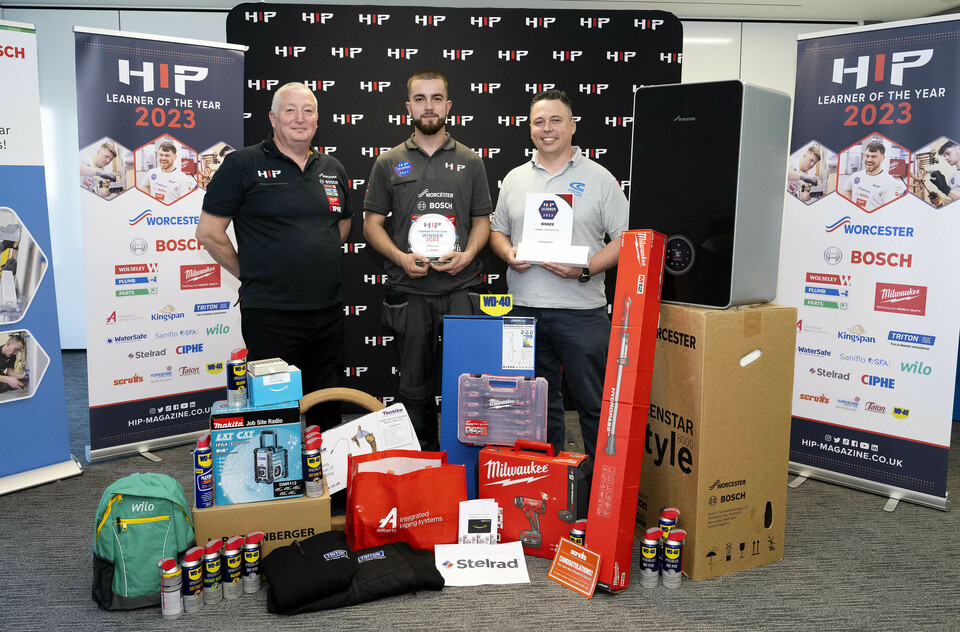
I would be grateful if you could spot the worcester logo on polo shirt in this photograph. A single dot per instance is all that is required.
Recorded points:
(403, 168)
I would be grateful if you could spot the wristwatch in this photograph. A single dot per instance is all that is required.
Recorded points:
(584, 275)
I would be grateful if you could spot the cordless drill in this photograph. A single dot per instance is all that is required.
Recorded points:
(532, 507)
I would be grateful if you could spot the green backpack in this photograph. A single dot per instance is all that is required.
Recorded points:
(141, 519)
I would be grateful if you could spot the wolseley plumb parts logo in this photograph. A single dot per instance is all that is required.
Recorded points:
(901, 299)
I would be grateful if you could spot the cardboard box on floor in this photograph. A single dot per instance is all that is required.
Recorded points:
(282, 521)
(718, 433)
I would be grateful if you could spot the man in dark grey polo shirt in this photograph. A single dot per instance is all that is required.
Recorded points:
(428, 173)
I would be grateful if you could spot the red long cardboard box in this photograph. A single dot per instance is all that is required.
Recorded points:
(626, 388)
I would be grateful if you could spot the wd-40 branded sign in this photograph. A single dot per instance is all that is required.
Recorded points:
(155, 119)
(867, 255)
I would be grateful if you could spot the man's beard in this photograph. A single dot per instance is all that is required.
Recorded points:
(429, 128)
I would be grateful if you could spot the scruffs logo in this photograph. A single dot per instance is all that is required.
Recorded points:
(875, 69)
(152, 74)
(135, 379)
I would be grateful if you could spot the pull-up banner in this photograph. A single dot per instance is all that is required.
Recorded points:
(155, 118)
(869, 256)
(357, 60)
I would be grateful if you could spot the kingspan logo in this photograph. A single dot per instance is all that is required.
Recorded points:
(856, 333)
(166, 313)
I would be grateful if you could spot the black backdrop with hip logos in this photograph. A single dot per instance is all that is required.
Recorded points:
(357, 59)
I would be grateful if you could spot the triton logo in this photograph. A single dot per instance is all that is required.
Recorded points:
(181, 75)
(429, 20)
(899, 62)
(567, 55)
(347, 119)
(618, 121)
(345, 52)
(647, 24)
(259, 16)
(373, 19)
(318, 84)
(485, 21)
(459, 120)
(593, 88)
(512, 55)
(484, 88)
(402, 53)
(594, 23)
(374, 86)
(313, 18)
(262, 84)
(457, 53)
(289, 51)
(621, 55)
(534, 88)
(540, 23)
(671, 58)
(512, 121)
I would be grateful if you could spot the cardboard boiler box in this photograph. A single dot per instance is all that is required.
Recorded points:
(718, 434)
(538, 493)
(626, 393)
(282, 521)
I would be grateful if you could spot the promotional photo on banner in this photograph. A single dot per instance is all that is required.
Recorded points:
(32, 399)
(357, 60)
(156, 117)
(867, 256)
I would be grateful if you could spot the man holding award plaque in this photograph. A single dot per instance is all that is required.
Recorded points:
(558, 205)
(435, 191)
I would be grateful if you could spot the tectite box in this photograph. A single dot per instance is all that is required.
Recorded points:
(274, 388)
(626, 395)
(282, 521)
(539, 493)
(257, 452)
(479, 344)
(718, 434)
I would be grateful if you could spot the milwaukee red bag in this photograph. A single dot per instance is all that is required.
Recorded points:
(403, 496)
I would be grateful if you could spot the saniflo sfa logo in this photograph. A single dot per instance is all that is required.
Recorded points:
(181, 75)
(899, 62)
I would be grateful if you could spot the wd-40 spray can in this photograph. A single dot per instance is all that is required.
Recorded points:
(252, 546)
(650, 558)
(212, 578)
(237, 378)
(673, 558)
(203, 472)
(578, 532)
(171, 581)
(312, 471)
(668, 520)
(193, 580)
(232, 561)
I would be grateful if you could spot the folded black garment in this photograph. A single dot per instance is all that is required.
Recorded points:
(300, 571)
(380, 571)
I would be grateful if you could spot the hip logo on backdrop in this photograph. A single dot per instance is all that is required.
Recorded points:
(899, 62)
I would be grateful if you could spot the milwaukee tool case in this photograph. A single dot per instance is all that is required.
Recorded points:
(540, 494)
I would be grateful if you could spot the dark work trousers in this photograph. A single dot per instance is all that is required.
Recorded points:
(311, 339)
(417, 322)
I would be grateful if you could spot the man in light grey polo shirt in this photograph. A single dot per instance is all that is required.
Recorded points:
(569, 303)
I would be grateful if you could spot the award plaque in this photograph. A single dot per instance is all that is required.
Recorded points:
(432, 236)
(548, 231)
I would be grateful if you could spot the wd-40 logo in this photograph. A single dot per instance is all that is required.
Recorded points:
(457, 54)
(402, 53)
(567, 55)
(323, 85)
(373, 19)
(548, 210)
(214, 368)
(900, 412)
(593, 88)
(429, 20)
(151, 74)
(512, 55)
(594, 23)
(344, 52)
(485, 21)
(867, 69)
(647, 24)
(259, 16)
(314, 18)
(374, 86)
(540, 23)
(534, 88)
(289, 51)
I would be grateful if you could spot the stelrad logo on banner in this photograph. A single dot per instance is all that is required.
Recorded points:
(479, 564)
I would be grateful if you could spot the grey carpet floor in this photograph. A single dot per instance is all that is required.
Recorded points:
(847, 565)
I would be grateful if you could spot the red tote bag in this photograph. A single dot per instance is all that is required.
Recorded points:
(403, 496)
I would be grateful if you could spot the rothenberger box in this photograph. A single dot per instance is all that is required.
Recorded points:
(718, 433)
(626, 395)
(538, 493)
(256, 452)
(282, 521)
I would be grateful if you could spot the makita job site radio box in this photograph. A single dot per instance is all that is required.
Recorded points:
(541, 495)
(257, 452)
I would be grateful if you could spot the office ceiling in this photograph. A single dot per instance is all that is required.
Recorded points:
(779, 10)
